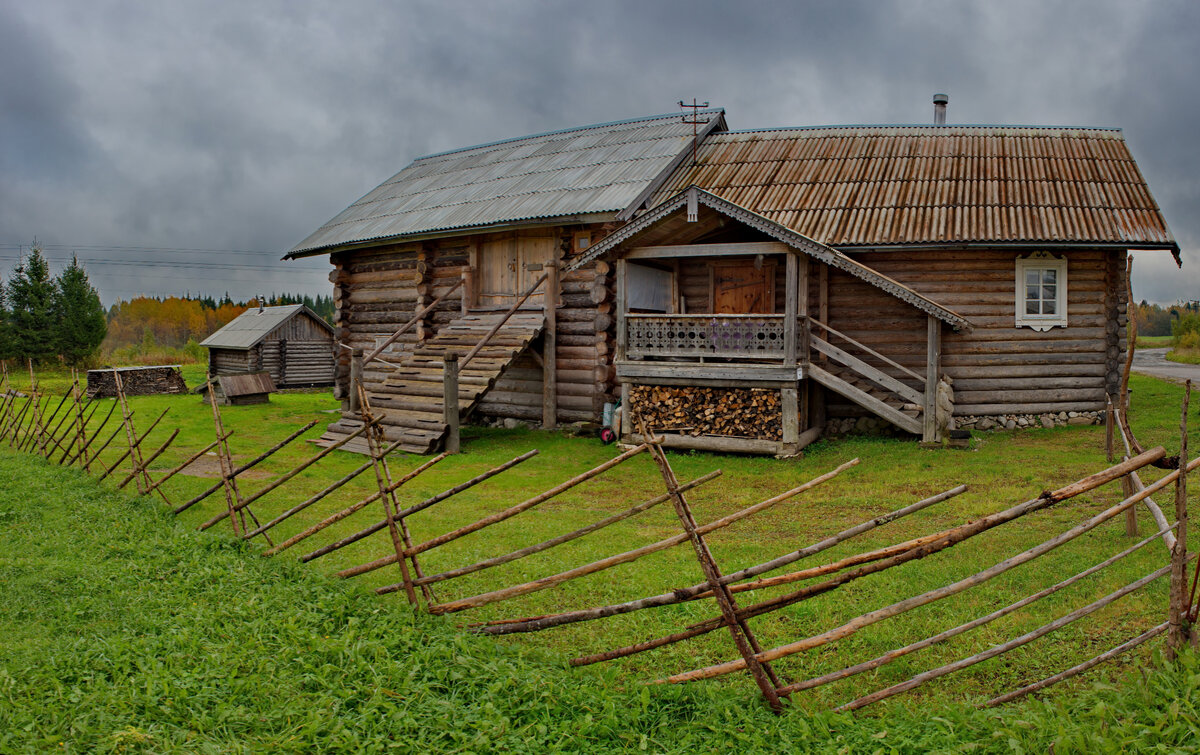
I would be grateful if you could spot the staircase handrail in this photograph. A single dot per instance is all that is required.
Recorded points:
(408, 325)
(496, 328)
(869, 350)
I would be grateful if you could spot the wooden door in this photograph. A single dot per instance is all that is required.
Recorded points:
(504, 273)
(740, 288)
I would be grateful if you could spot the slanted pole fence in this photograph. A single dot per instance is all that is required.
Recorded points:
(63, 429)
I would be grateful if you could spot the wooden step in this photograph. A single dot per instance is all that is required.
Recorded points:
(865, 400)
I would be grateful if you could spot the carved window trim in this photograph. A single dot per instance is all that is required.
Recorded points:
(1034, 275)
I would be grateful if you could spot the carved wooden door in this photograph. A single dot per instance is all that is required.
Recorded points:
(741, 288)
(504, 269)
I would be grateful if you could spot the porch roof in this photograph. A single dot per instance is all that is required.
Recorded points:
(791, 238)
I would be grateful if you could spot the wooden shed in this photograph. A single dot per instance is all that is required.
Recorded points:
(291, 343)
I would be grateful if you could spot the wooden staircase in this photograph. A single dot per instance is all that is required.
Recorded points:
(410, 397)
(866, 385)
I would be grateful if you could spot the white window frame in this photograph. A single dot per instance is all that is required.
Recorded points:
(1042, 261)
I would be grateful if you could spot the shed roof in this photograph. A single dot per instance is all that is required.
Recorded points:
(879, 186)
(253, 325)
(583, 171)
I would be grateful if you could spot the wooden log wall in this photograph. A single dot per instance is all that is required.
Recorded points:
(377, 290)
(228, 361)
(997, 368)
(872, 317)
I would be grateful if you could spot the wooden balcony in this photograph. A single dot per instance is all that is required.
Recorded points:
(714, 349)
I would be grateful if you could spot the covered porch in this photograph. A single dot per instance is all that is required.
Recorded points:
(719, 327)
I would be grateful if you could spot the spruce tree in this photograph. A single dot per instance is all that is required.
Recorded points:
(5, 339)
(79, 316)
(31, 295)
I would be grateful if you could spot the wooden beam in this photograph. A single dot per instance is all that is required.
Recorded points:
(933, 356)
(450, 413)
(749, 248)
(791, 303)
(550, 300)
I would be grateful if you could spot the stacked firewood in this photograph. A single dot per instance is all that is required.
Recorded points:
(692, 410)
(136, 381)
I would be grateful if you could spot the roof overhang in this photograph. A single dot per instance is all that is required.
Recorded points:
(595, 217)
(814, 249)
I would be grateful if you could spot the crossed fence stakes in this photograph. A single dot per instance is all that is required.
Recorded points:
(69, 438)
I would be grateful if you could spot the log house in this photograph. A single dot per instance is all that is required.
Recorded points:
(845, 271)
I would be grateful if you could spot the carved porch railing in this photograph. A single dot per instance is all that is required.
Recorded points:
(750, 337)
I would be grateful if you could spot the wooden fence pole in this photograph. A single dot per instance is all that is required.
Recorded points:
(999, 649)
(135, 450)
(356, 376)
(547, 544)
(450, 413)
(413, 509)
(893, 655)
(1079, 669)
(37, 409)
(549, 348)
(1177, 633)
(125, 454)
(186, 463)
(739, 629)
(87, 444)
(248, 465)
(228, 482)
(319, 495)
(15, 426)
(349, 510)
(148, 462)
(681, 594)
(244, 503)
(1110, 420)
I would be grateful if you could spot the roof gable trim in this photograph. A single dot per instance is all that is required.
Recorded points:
(694, 195)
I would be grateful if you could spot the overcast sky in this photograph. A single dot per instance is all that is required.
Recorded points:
(185, 146)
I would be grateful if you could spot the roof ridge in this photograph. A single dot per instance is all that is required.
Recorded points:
(918, 125)
(663, 116)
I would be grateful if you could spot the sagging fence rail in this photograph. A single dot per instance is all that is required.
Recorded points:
(67, 432)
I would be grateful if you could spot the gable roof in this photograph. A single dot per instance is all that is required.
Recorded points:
(253, 325)
(880, 186)
(795, 240)
(592, 170)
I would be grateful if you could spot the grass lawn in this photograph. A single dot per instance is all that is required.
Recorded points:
(1154, 342)
(125, 628)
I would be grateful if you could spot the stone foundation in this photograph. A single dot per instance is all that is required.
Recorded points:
(876, 426)
(1022, 421)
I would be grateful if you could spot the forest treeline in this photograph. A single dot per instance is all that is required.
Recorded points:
(177, 322)
(1172, 320)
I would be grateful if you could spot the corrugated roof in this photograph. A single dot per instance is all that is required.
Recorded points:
(851, 186)
(589, 170)
(253, 325)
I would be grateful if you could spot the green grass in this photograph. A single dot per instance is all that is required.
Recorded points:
(1154, 342)
(1184, 356)
(125, 631)
(1002, 469)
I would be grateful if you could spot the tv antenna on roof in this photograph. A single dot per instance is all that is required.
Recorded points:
(695, 120)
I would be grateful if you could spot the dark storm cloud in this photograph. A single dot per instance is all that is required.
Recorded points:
(244, 126)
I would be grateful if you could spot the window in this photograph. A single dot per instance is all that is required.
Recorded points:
(1041, 291)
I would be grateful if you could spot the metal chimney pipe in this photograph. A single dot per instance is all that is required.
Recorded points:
(939, 108)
